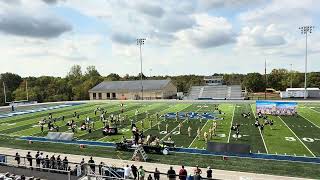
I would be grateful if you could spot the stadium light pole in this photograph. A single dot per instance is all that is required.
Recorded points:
(140, 42)
(305, 30)
(291, 76)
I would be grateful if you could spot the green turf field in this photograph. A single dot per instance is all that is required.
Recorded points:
(298, 136)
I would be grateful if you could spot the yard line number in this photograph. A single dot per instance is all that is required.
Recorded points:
(306, 139)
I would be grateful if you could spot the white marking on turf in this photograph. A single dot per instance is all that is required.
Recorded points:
(201, 130)
(234, 109)
(309, 121)
(197, 135)
(105, 137)
(297, 137)
(264, 143)
(314, 110)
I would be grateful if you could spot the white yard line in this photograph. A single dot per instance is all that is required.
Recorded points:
(264, 143)
(309, 121)
(177, 126)
(313, 110)
(197, 136)
(297, 137)
(133, 115)
(234, 109)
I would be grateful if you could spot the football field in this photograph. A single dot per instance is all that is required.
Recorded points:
(299, 135)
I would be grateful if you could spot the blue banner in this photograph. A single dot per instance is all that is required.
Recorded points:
(276, 108)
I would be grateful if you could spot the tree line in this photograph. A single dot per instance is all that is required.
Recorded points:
(76, 84)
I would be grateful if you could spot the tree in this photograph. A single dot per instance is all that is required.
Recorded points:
(75, 72)
(113, 77)
(92, 72)
(254, 82)
(12, 82)
(313, 79)
(279, 79)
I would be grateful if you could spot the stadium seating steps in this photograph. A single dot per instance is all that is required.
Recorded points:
(215, 92)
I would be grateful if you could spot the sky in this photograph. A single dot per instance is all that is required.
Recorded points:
(47, 37)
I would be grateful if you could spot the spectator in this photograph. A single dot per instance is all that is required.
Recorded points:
(127, 171)
(46, 162)
(41, 158)
(82, 164)
(23, 177)
(197, 170)
(149, 177)
(100, 167)
(183, 173)
(141, 173)
(92, 165)
(209, 173)
(58, 162)
(156, 174)
(134, 171)
(197, 176)
(171, 173)
(17, 158)
(53, 162)
(190, 177)
(65, 163)
(29, 158)
(38, 159)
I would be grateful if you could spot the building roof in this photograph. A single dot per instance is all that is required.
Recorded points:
(130, 85)
(302, 89)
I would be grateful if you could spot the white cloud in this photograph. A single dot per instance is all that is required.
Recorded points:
(35, 21)
(260, 36)
(286, 12)
(214, 4)
(209, 32)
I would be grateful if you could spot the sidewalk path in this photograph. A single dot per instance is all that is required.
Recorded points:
(219, 174)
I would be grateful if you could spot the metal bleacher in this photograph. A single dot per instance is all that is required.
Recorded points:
(215, 92)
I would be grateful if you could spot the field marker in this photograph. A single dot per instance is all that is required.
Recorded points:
(314, 110)
(234, 109)
(197, 136)
(178, 125)
(309, 121)
(297, 137)
(264, 143)
(139, 121)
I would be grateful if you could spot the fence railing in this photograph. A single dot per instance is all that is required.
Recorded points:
(85, 170)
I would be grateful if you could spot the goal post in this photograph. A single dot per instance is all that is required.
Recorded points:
(15, 103)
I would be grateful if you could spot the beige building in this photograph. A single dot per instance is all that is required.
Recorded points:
(152, 89)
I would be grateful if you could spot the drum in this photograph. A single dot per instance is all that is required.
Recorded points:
(165, 151)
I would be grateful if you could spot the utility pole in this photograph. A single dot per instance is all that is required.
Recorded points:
(4, 91)
(265, 78)
(140, 42)
(305, 30)
(27, 90)
(291, 76)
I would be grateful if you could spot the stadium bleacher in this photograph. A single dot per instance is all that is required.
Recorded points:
(215, 92)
